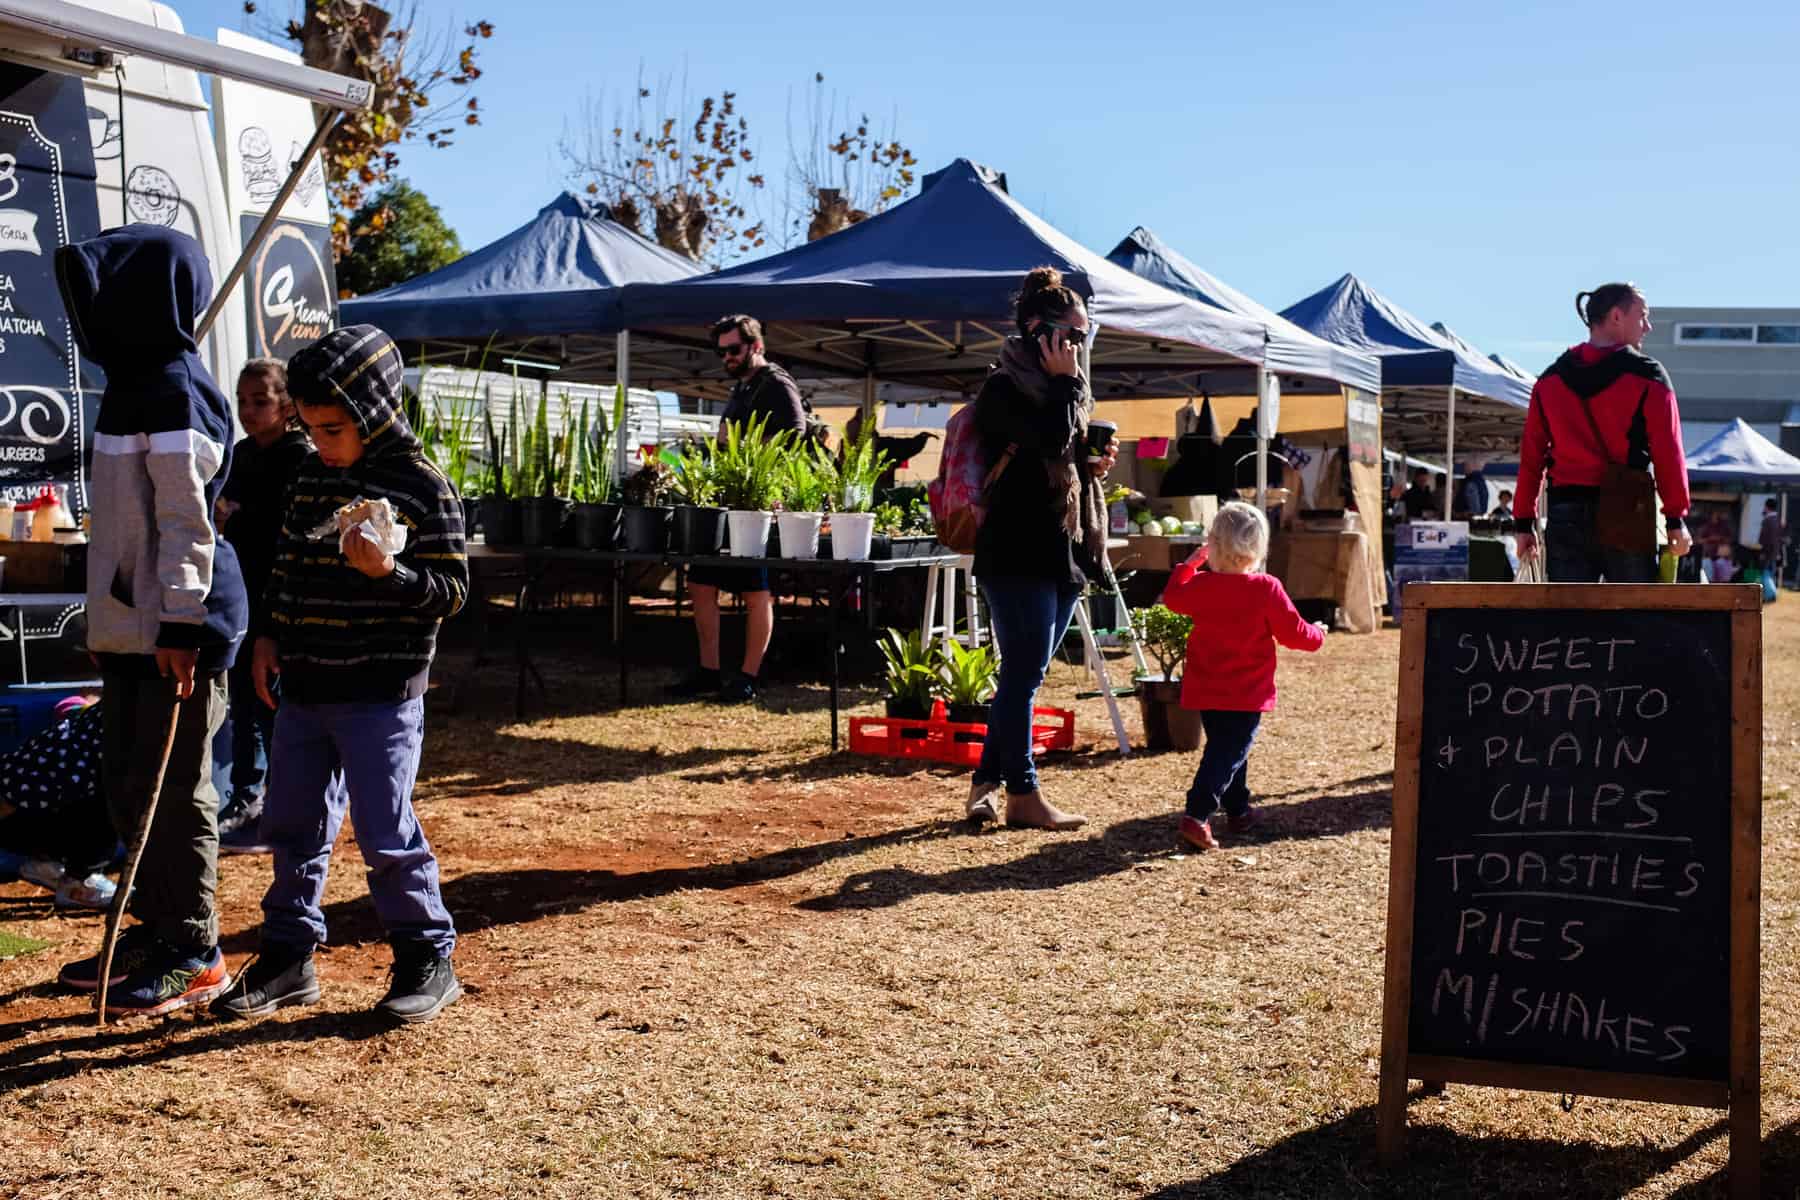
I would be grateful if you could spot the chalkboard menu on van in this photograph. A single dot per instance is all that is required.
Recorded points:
(47, 200)
(1575, 862)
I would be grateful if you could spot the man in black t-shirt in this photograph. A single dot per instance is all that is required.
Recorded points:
(762, 390)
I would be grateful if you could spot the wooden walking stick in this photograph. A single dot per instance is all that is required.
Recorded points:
(116, 913)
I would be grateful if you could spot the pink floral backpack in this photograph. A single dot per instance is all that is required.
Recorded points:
(958, 495)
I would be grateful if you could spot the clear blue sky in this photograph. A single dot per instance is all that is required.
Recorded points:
(1478, 164)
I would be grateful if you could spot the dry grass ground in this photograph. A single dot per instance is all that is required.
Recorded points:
(704, 959)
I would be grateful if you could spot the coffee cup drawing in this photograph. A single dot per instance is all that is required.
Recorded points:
(1100, 435)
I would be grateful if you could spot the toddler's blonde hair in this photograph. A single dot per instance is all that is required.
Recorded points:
(1239, 534)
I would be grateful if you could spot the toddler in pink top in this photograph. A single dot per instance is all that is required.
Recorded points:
(1240, 615)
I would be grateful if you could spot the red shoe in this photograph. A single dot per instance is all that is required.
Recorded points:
(168, 980)
(1243, 823)
(1198, 834)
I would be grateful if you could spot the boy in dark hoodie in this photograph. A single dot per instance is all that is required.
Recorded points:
(351, 634)
(249, 513)
(165, 602)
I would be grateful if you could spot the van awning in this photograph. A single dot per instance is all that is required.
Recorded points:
(56, 35)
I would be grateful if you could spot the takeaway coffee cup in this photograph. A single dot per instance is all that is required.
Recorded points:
(1099, 436)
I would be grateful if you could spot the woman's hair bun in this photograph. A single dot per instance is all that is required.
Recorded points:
(1042, 279)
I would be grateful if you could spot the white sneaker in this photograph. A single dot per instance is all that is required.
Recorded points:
(44, 873)
(96, 891)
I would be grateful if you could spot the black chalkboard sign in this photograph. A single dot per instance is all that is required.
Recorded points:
(1575, 854)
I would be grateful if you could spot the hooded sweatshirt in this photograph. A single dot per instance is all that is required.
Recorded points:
(342, 636)
(157, 574)
(1633, 407)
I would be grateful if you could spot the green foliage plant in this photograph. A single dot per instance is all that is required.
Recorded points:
(1163, 635)
(748, 466)
(802, 490)
(913, 668)
(968, 676)
(852, 476)
(696, 478)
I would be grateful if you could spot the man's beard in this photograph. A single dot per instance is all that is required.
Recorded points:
(739, 369)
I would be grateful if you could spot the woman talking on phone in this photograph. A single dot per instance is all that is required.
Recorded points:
(1044, 535)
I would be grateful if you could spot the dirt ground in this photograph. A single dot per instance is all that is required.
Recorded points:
(705, 958)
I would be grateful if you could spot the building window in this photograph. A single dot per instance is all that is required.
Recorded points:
(1778, 335)
(1689, 334)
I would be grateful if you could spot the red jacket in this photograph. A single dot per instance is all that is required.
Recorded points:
(1618, 383)
(1237, 621)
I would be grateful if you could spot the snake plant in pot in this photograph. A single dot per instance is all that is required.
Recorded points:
(596, 516)
(499, 509)
(1163, 635)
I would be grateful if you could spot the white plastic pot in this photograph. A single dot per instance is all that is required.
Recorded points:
(749, 533)
(799, 534)
(851, 535)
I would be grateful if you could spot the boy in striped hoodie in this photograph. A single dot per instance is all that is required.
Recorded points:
(351, 630)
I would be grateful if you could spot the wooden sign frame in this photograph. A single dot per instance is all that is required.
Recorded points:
(1741, 1094)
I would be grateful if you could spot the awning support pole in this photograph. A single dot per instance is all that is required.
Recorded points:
(620, 457)
(1450, 459)
(1262, 442)
(263, 227)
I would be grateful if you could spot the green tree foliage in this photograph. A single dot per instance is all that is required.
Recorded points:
(409, 239)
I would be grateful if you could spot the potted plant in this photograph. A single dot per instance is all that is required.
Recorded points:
(644, 521)
(499, 511)
(802, 508)
(903, 527)
(749, 466)
(850, 482)
(699, 524)
(966, 681)
(1163, 635)
(912, 675)
(595, 518)
(543, 487)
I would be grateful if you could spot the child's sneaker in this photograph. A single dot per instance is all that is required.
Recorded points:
(135, 946)
(1198, 834)
(171, 978)
(96, 891)
(43, 872)
(1243, 823)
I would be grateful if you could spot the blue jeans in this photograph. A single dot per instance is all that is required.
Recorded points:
(376, 749)
(252, 725)
(1224, 764)
(1030, 617)
(1572, 556)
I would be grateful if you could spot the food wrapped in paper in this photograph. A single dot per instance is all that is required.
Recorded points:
(374, 518)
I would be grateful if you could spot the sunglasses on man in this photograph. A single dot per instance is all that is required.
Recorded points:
(733, 350)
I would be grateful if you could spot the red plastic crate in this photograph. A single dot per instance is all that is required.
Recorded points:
(958, 744)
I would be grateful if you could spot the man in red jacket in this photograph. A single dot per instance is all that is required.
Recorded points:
(1609, 387)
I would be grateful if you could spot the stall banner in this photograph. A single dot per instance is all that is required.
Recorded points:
(288, 287)
(1429, 550)
(47, 201)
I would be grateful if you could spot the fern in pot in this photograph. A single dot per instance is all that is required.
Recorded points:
(1164, 635)
(850, 482)
(802, 507)
(750, 463)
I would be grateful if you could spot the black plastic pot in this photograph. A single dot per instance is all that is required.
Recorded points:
(969, 714)
(912, 545)
(471, 515)
(645, 530)
(542, 519)
(698, 531)
(500, 521)
(596, 526)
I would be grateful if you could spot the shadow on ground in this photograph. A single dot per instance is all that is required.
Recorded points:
(1064, 860)
(1338, 1159)
(483, 899)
